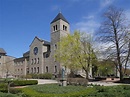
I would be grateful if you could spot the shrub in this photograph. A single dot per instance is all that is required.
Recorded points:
(8, 95)
(3, 87)
(45, 76)
(23, 82)
(77, 81)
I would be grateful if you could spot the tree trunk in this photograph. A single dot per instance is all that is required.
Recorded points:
(86, 74)
(121, 72)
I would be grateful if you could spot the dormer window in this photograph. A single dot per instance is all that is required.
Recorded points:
(64, 27)
(55, 27)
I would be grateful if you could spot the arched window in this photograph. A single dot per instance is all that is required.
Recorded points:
(37, 69)
(32, 61)
(38, 61)
(34, 69)
(35, 61)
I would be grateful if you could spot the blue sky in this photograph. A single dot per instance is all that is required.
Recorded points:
(22, 20)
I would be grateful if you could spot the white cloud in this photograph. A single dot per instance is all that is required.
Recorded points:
(105, 3)
(87, 26)
(89, 17)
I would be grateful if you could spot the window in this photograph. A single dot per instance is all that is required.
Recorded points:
(32, 61)
(34, 69)
(37, 69)
(55, 28)
(38, 61)
(47, 55)
(21, 71)
(35, 61)
(64, 27)
(46, 68)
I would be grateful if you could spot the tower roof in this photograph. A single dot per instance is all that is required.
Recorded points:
(2, 51)
(58, 17)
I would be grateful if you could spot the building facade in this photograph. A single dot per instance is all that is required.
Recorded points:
(40, 57)
(6, 64)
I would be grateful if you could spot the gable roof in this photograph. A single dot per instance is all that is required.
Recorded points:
(41, 40)
(2, 51)
(58, 17)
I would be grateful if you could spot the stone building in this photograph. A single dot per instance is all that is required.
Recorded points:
(40, 57)
(6, 64)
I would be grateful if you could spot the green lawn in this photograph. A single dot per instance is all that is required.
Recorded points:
(54, 90)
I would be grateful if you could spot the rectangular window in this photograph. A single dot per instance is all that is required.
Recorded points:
(46, 68)
(53, 28)
(64, 27)
(37, 69)
(56, 27)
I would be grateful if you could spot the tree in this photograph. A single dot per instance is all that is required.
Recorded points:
(106, 67)
(114, 32)
(75, 52)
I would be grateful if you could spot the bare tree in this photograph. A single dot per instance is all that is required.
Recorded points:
(114, 31)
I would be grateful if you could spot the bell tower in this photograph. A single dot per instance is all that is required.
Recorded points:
(59, 28)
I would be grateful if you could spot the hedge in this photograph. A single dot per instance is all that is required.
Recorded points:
(40, 76)
(8, 95)
(23, 82)
(3, 87)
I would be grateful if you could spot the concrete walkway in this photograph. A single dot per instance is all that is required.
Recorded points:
(45, 81)
(102, 83)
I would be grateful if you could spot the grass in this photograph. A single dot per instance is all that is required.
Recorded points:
(53, 90)
(56, 89)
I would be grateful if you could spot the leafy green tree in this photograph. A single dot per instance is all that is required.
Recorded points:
(106, 67)
(76, 52)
